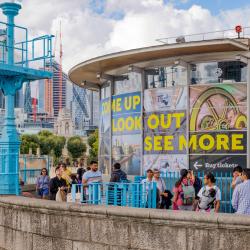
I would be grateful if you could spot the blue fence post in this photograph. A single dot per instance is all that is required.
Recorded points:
(73, 192)
(82, 193)
(124, 194)
(154, 194)
(25, 169)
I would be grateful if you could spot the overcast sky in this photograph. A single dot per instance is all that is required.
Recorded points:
(95, 27)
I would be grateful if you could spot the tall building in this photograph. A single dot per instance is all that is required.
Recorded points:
(50, 92)
(18, 101)
(27, 99)
(80, 108)
(57, 89)
(93, 97)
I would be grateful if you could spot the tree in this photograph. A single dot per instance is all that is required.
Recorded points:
(76, 147)
(59, 142)
(27, 142)
(93, 144)
(46, 142)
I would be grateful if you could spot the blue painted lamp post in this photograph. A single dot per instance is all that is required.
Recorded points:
(13, 74)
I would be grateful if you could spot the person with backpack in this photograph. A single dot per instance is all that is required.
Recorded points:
(184, 192)
(209, 195)
(117, 174)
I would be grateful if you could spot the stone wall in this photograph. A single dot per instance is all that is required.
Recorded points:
(27, 224)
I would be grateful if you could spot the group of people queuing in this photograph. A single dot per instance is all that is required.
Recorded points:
(47, 188)
(191, 194)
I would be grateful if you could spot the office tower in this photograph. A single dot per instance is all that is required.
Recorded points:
(93, 97)
(27, 99)
(52, 92)
(80, 108)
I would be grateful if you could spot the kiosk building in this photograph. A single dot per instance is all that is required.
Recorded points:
(182, 104)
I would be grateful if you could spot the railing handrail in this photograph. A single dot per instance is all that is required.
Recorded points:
(203, 34)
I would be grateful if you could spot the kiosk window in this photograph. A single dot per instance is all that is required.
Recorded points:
(165, 77)
(218, 72)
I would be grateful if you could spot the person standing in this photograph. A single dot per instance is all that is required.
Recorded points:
(92, 176)
(147, 188)
(147, 181)
(57, 183)
(241, 194)
(163, 196)
(80, 171)
(42, 184)
(237, 171)
(184, 192)
(117, 174)
(66, 174)
(209, 195)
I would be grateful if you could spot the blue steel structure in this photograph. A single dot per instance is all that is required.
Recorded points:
(13, 73)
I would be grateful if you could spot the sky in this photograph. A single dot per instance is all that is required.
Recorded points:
(92, 28)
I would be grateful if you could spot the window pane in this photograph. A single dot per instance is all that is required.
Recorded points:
(131, 84)
(218, 72)
(166, 76)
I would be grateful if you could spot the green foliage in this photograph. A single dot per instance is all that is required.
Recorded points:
(49, 143)
(93, 144)
(76, 147)
(27, 142)
(59, 142)
(46, 144)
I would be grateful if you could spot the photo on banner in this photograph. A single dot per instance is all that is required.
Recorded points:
(165, 163)
(126, 149)
(218, 107)
(162, 99)
(104, 163)
(126, 132)
(105, 123)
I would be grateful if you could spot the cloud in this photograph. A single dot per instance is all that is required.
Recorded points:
(95, 27)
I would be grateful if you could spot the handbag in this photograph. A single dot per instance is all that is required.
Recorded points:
(61, 195)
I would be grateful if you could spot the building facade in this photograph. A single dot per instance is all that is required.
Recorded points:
(52, 96)
(173, 106)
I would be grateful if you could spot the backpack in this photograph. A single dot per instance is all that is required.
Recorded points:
(207, 199)
(188, 194)
(123, 177)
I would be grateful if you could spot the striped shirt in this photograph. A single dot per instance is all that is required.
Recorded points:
(91, 176)
(241, 198)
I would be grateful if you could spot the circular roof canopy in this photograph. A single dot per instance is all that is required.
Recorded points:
(87, 71)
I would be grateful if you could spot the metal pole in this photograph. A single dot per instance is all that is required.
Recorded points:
(9, 142)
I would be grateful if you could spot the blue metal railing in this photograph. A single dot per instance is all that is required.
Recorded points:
(29, 176)
(116, 194)
(26, 50)
(223, 182)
